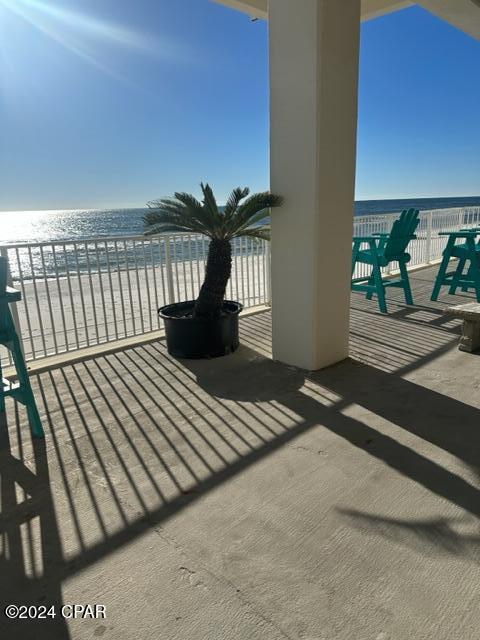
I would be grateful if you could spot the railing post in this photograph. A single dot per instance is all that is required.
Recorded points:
(13, 305)
(268, 267)
(385, 227)
(428, 250)
(169, 271)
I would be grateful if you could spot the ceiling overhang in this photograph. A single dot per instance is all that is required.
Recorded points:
(370, 8)
(254, 8)
(464, 14)
(375, 8)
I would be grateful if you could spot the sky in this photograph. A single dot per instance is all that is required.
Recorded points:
(114, 103)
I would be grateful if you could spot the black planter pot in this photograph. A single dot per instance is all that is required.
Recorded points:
(200, 337)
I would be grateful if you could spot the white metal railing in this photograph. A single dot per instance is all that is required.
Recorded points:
(84, 293)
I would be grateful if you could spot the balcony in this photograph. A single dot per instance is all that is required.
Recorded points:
(243, 498)
(101, 294)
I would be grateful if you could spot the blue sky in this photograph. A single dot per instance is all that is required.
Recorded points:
(113, 103)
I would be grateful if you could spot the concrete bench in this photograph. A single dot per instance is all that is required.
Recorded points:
(470, 314)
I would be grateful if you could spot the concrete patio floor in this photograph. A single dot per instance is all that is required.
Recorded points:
(242, 499)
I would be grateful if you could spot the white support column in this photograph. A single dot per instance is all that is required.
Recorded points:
(314, 51)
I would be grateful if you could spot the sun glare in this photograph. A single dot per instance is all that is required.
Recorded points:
(87, 36)
(51, 19)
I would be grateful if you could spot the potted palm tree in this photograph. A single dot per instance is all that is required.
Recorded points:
(208, 326)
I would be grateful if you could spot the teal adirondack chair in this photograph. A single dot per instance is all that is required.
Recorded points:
(384, 248)
(21, 391)
(464, 246)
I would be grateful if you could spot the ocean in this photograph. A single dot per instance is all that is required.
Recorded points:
(45, 226)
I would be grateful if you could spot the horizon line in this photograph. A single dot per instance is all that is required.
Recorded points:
(123, 207)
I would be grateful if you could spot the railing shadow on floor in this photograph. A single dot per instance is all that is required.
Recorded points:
(137, 436)
(30, 548)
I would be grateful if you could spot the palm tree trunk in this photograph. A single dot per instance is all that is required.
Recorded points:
(217, 273)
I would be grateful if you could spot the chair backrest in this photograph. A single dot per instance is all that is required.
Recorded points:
(403, 230)
(3, 274)
(4, 315)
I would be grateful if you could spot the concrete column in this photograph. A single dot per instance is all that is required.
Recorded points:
(314, 51)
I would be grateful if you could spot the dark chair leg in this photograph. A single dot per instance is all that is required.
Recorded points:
(354, 256)
(474, 270)
(458, 276)
(443, 270)
(2, 399)
(475, 274)
(26, 387)
(377, 276)
(371, 283)
(406, 283)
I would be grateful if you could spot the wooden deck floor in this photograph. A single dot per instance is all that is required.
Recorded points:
(240, 498)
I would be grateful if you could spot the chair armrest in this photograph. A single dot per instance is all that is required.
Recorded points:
(371, 238)
(387, 235)
(459, 234)
(10, 295)
(383, 237)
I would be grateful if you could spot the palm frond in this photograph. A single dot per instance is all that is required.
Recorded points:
(261, 216)
(234, 200)
(210, 204)
(185, 213)
(261, 233)
(188, 200)
(259, 202)
(164, 227)
(163, 202)
(186, 205)
(175, 211)
(156, 218)
(163, 210)
(196, 209)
